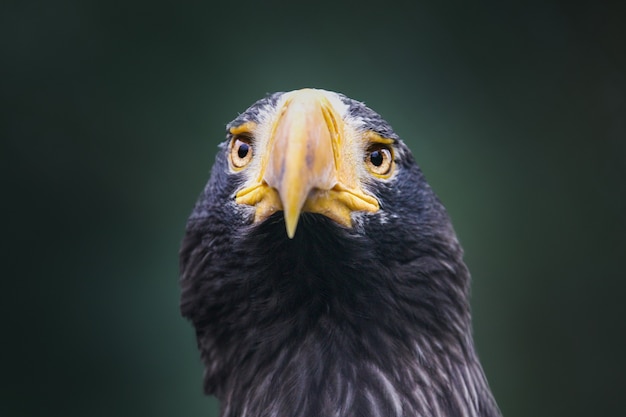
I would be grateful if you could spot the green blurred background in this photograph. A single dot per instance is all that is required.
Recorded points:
(516, 112)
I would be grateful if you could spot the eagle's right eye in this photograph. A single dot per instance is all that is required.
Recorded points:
(240, 151)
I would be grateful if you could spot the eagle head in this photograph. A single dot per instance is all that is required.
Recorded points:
(322, 274)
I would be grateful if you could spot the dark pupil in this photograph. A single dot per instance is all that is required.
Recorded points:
(377, 158)
(243, 150)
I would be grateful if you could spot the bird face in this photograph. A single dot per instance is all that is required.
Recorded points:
(308, 152)
(361, 311)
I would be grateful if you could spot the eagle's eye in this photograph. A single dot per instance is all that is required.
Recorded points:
(240, 151)
(379, 160)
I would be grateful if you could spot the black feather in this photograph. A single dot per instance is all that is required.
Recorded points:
(366, 321)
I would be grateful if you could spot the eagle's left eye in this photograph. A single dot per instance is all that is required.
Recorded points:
(240, 151)
(379, 160)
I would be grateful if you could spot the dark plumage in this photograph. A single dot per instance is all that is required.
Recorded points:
(369, 318)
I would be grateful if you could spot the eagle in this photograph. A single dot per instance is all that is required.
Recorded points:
(322, 274)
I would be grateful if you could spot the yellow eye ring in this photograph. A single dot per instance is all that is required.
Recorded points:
(240, 151)
(379, 160)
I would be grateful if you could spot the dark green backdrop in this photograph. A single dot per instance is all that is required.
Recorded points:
(515, 111)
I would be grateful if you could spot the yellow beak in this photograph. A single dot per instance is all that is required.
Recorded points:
(307, 166)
